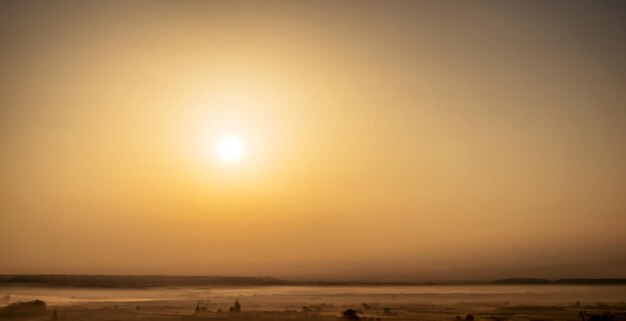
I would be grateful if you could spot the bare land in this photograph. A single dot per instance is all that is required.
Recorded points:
(427, 303)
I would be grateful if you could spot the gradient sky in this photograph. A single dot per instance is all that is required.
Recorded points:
(385, 140)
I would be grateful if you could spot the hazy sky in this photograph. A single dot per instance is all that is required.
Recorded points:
(389, 139)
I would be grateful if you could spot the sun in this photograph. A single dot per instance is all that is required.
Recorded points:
(230, 148)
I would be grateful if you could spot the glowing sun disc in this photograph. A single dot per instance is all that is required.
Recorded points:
(230, 149)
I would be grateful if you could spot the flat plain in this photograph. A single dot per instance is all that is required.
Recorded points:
(425, 302)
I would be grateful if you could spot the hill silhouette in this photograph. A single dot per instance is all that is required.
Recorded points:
(560, 281)
(151, 281)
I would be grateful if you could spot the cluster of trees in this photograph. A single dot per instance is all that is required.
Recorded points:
(25, 308)
(351, 314)
(28, 305)
(468, 317)
(235, 308)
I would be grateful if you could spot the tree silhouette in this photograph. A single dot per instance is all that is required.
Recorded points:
(350, 314)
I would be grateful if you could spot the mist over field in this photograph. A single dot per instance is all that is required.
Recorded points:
(315, 302)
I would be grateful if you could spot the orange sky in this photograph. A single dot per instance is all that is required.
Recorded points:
(389, 140)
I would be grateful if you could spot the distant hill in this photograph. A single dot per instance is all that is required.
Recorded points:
(522, 281)
(591, 281)
(148, 281)
(135, 281)
(151, 281)
(513, 281)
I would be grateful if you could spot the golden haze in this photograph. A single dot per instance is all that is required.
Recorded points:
(409, 140)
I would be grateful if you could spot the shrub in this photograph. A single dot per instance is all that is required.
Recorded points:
(350, 314)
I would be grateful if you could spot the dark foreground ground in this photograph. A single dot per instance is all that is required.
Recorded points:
(483, 303)
(169, 311)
